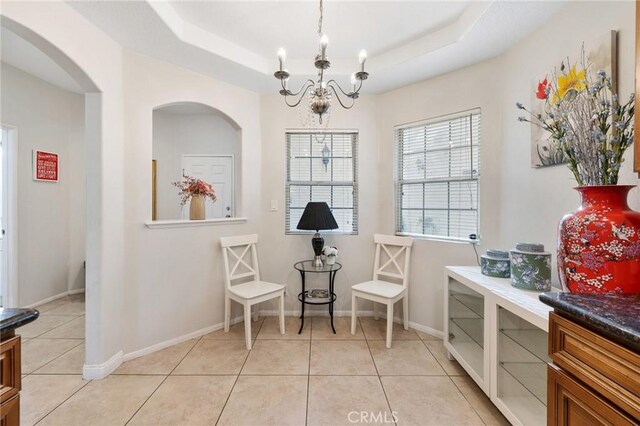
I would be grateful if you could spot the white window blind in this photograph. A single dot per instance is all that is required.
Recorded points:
(310, 179)
(438, 168)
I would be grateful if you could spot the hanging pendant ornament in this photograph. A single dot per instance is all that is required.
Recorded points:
(325, 156)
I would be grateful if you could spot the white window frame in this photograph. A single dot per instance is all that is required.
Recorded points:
(354, 183)
(399, 181)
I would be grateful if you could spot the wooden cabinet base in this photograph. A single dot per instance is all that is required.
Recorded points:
(10, 381)
(571, 403)
(10, 412)
(10, 378)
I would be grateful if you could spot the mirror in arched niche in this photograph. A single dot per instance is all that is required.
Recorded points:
(195, 140)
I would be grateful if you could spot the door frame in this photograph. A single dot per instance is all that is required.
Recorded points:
(10, 288)
(233, 175)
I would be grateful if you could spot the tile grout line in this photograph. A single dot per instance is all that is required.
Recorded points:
(65, 400)
(79, 389)
(378, 373)
(39, 336)
(55, 307)
(238, 375)
(306, 413)
(436, 358)
(62, 354)
(161, 383)
(467, 399)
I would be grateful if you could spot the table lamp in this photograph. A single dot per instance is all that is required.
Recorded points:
(317, 216)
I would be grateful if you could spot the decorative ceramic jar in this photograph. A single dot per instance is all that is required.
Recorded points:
(495, 263)
(599, 244)
(196, 207)
(530, 267)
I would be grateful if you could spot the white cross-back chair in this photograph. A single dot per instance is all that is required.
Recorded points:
(241, 264)
(397, 252)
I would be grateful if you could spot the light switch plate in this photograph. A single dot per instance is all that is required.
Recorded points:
(274, 205)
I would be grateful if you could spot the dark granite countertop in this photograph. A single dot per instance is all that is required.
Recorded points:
(10, 319)
(616, 316)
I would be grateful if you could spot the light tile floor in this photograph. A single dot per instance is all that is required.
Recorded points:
(315, 378)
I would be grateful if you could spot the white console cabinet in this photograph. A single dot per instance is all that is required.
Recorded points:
(498, 334)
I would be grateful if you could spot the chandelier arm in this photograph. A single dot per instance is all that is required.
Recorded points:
(303, 88)
(349, 95)
(338, 96)
(293, 105)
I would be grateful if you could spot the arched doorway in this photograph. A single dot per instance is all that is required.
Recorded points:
(103, 138)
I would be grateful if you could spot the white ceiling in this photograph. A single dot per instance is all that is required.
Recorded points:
(236, 41)
(265, 26)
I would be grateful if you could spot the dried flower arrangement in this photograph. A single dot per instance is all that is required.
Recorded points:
(190, 186)
(586, 121)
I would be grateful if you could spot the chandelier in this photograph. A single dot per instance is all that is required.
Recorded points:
(320, 92)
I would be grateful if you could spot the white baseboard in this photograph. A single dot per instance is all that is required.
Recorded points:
(266, 313)
(324, 313)
(159, 346)
(313, 313)
(100, 371)
(425, 329)
(56, 297)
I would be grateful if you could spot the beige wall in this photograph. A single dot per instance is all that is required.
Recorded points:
(534, 200)
(51, 216)
(149, 286)
(517, 203)
(278, 252)
(174, 277)
(457, 91)
(96, 65)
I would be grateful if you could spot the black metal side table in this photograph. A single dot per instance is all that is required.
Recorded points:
(307, 266)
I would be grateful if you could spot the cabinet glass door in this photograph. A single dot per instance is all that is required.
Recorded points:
(522, 369)
(466, 325)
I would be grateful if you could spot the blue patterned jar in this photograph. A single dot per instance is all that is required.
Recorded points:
(495, 263)
(531, 267)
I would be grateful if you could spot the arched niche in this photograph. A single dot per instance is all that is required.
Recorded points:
(198, 140)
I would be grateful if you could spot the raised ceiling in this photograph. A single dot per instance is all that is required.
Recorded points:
(236, 41)
(263, 27)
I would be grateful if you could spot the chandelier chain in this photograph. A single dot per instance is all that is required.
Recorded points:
(320, 20)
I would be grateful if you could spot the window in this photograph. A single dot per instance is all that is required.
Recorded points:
(437, 177)
(321, 166)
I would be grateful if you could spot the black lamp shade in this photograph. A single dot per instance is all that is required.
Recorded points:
(317, 216)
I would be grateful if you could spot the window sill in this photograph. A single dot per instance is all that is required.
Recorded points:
(158, 224)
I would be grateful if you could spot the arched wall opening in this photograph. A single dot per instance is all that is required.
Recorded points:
(44, 107)
(196, 140)
(54, 31)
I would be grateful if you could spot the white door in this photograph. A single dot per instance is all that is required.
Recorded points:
(218, 171)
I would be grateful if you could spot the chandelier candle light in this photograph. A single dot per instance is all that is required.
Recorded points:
(320, 92)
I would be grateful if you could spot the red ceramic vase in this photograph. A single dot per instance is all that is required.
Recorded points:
(599, 244)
